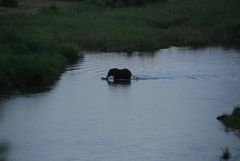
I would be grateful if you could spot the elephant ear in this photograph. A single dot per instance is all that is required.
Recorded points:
(109, 72)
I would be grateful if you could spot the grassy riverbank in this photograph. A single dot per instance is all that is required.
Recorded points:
(28, 62)
(31, 44)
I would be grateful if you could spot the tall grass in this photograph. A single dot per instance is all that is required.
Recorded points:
(177, 22)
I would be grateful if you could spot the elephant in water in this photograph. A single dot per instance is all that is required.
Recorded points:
(119, 74)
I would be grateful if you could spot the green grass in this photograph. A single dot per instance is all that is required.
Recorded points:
(43, 42)
(233, 120)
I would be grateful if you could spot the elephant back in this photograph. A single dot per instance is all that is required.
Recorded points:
(119, 74)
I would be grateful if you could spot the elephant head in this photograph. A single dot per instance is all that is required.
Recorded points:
(119, 74)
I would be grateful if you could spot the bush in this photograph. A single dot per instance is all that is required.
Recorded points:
(30, 71)
(9, 3)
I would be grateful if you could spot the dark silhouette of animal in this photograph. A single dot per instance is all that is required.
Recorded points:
(119, 74)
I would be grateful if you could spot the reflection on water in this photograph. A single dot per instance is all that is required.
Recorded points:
(119, 83)
(4, 146)
(169, 113)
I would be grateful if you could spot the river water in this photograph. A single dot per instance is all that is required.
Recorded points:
(169, 114)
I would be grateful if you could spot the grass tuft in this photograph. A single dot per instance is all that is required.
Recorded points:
(233, 120)
(226, 155)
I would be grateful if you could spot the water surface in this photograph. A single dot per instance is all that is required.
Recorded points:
(168, 114)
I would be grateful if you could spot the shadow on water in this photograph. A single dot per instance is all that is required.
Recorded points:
(6, 95)
(4, 150)
(42, 89)
(36, 90)
(4, 145)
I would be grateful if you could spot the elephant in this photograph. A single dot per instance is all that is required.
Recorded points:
(119, 74)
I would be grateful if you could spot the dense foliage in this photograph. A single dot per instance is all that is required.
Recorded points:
(28, 62)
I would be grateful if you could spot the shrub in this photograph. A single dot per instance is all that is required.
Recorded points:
(70, 52)
(29, 71)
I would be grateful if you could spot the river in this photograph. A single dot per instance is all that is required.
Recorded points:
(169, 114)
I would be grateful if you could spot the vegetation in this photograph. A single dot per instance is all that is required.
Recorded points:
(154, 26)
(28, 62)
(226, 154)
(233, 120)
(35, 47)
(121, 3)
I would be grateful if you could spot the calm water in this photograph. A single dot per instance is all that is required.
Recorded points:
(167, 115)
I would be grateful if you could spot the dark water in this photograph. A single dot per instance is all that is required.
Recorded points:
(167, 115)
